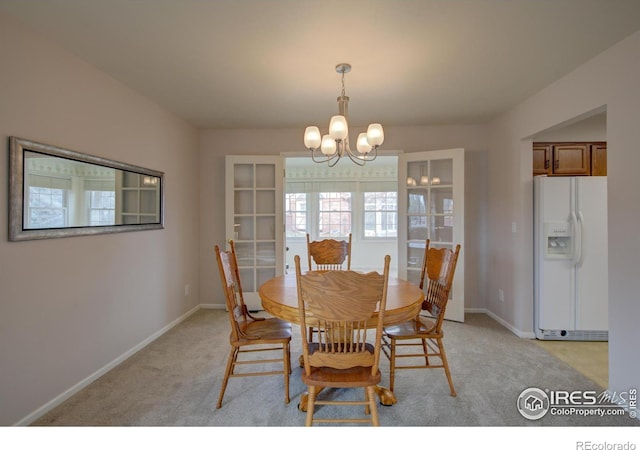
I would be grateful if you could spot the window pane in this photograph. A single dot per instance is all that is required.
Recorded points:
(102, 207)
(417, 201)
(441, 228)
(442, 200)
(296, 215)
(380, 214)
(417, 228)
(47, 207)
(334, 214)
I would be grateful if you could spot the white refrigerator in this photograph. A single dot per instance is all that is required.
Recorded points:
(570, 258)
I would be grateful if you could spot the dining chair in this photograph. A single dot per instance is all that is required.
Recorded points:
(329, 254)
(250, 334)
(342, 304)
(425, 332)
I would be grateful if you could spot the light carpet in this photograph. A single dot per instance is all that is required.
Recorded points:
(175, 381)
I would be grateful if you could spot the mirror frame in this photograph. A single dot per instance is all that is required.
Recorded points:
(17, 232)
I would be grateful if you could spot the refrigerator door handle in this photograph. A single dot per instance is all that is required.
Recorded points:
(581, 238)
(576, 237)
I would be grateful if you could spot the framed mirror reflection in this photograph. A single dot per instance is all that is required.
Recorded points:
(55, 192)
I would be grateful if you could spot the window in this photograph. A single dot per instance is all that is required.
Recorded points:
(380, 214)
(333, 202)
(296, 214)
(48, 201)
(47, 207)
(101, 207)
(368, 210)
(334, 211)
(100, 199)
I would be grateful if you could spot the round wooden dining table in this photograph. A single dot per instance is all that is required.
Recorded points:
(279, 298)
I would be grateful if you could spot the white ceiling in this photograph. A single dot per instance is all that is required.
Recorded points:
(271, 63)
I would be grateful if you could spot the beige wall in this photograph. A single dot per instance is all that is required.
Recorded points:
(609, 80)
(70, 306)
(215, 144)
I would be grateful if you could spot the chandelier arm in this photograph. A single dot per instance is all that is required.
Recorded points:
(333, 161)
(326, 158)
(358, 161)
(353, 157)
(361, 160)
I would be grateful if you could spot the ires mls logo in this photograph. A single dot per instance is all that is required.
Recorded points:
(535, 403)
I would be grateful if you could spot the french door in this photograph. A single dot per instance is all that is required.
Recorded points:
(431, 206)
(253, 215)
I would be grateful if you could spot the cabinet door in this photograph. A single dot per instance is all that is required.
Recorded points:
(254, 220)
(599, 159)
(571, 159)
(431, 205)
(541, 159)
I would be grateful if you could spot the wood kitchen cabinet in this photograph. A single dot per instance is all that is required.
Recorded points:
(569, 158)
(599, 159)
(541, 159)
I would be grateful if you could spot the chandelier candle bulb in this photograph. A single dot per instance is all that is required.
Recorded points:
(312, 137)
(375, 134)
(338, 128)
(363, 143)
(328, 145)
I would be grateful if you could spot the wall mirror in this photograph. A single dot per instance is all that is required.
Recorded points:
(54, 192)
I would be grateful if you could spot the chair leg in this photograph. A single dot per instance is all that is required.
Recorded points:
(373, 408)
(426, 351)
(445, 363)
(311, 402)
(367, 407)
(287, 371)
(392, 364)
(231, 361)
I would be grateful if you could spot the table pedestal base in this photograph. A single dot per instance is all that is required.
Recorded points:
(387, 398)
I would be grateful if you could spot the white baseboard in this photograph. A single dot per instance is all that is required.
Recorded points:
(212, 306)
(97, 374)
(508, 326)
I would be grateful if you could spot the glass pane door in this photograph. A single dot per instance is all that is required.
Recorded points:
(254, 220)
(431, 206)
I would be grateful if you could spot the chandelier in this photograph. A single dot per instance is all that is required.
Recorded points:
(333, 146)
